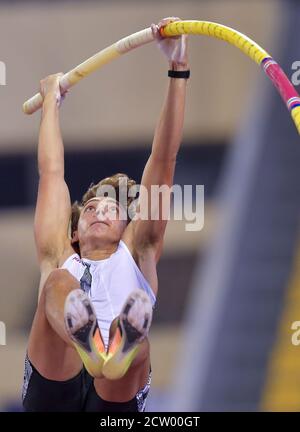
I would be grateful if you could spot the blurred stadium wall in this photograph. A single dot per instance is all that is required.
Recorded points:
(108, 122)
(244, 304)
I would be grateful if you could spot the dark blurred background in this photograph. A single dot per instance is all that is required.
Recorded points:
(221, 337)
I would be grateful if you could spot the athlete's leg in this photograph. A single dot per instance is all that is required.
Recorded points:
(133, 327)
(81, 324)
(126, 369)
(50, 349)
(136, 377)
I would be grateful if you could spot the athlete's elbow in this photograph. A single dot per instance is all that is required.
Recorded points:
(50, 169)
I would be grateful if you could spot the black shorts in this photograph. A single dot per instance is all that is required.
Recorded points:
(76, 394)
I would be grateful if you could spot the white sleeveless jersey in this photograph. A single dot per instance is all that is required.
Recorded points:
(113, 279)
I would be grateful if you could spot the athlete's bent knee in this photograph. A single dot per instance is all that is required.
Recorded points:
(60, 279)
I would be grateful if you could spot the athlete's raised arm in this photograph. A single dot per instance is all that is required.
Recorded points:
(159, 170)
(53, 206)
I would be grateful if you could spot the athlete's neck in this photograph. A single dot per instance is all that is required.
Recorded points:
(99, 254)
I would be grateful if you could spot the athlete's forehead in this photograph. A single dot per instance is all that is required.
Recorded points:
(99, 199)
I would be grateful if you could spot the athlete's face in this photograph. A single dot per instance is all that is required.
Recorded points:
(101, 219)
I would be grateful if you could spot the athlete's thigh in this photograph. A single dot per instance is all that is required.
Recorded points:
(51, 356)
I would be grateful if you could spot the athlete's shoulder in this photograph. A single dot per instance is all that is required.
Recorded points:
(67, 254)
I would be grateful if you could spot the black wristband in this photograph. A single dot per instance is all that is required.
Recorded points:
(179, 74)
